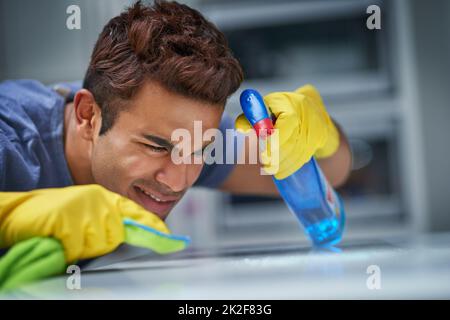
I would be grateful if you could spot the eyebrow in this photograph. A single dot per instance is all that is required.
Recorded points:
(166, 143)
(160, 141)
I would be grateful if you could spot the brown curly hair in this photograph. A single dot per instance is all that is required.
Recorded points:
(166, 42)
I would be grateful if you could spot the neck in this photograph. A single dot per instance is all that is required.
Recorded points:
(76, 150)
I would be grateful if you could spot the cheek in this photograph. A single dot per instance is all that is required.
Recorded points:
(117, 165)
(114, 163)
(139, 166)
(102, 166)
(134, 163)
(138, 163)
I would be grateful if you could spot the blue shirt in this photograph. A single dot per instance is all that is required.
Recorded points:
(31, 139)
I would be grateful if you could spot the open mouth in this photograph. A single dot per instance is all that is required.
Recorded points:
(154, 203)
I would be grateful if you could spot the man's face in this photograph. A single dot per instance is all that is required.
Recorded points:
(133, 158)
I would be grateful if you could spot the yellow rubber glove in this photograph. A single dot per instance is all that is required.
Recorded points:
(88, 220)
(305, 129)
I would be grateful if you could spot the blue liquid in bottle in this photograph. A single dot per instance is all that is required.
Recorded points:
(306, 192)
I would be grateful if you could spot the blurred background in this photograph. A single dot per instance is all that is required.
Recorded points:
(388, 89)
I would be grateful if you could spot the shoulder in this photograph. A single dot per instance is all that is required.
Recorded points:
(28, 93)
(12, 169)
(27, 107)
(31, 137)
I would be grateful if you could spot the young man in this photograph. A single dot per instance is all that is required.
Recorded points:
(154, 69)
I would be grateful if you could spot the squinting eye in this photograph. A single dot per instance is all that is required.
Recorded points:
(154, 148)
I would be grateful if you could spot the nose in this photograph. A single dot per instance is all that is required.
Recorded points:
(174, 176)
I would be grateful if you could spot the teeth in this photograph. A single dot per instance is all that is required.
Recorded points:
(152, 196)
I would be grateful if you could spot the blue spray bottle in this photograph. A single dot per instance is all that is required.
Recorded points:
(306, 192)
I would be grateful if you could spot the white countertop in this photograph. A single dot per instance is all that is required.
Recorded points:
(409, 268)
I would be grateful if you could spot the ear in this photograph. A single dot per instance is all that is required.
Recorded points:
(87, 114)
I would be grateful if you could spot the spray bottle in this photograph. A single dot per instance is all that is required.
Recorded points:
(307, 193)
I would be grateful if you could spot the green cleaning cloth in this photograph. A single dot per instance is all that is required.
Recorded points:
(40, 257)
(31, 260)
